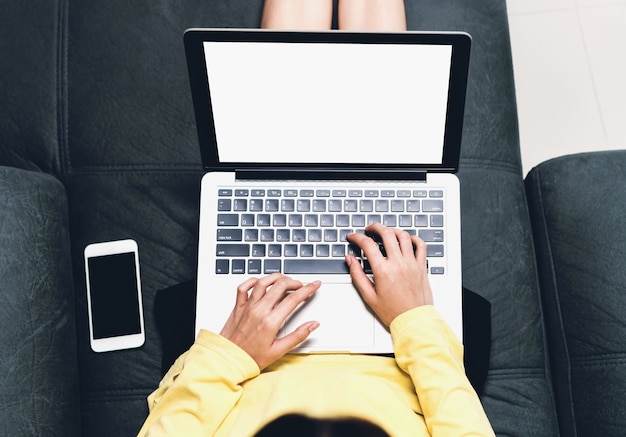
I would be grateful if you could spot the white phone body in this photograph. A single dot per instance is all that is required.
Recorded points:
(114, 296)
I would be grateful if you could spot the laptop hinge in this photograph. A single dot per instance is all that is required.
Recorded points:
(331, 175)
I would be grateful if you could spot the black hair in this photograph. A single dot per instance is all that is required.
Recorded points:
(303, 426)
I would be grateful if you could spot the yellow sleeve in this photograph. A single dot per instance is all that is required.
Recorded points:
(200, 389)
(431, 354)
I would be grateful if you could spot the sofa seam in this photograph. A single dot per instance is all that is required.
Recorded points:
(546, 237)
(62, 88)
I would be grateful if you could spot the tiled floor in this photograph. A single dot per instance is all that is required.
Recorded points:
(570, 71)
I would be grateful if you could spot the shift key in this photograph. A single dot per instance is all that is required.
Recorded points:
(233, 250)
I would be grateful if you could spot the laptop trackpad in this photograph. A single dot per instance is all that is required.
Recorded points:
(346, 323)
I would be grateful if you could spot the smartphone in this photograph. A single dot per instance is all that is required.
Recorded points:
(114, 296)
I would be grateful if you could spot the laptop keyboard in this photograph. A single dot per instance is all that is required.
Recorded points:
(303, 231)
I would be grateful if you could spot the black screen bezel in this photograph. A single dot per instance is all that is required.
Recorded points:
(461, 45)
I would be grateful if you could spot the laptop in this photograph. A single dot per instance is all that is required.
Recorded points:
(308, 136)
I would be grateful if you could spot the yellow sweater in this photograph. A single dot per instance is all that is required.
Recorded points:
(215, 388)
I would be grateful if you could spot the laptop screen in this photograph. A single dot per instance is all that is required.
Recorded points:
(298, 102)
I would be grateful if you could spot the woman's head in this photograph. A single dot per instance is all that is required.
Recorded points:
(303, 426)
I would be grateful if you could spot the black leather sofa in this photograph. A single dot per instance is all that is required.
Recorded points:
(98, 142)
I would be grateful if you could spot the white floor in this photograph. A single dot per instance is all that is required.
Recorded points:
(569, 58)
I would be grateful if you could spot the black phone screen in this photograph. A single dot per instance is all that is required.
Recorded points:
(114, 295)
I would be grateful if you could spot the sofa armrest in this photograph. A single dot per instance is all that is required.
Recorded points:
(577, 205)
(39, 393)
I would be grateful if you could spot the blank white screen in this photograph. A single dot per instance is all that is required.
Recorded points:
(328, 103)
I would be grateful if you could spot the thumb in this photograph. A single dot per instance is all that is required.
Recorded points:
(288, 342)
(360, 280)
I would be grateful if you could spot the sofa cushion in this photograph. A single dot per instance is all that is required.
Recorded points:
(38, 363)
(578, 209)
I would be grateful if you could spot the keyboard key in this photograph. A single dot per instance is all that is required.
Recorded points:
(330, 235)
(247, 220)
(339, 193)
(437, 270)
(366, 205)
(233, 250)
(397, 205)
(256, 205)
(229, 234)
(274, 250)
(382, 206)
(224, 193)
(432, 205)
(241, 193)
(263, 219)
(291, 250)
(295, 220)
(316, 266)
(254, 266)
(287, 205)
(338, 250)
(421, 221)
(420, 193)
(355, 193)
(371, 193)
(283, 235)
(406, 221)
(412, 205)
(306, 193)
(304, 205)
(431, 235)
(350, 205)
(322, 193)
(311, 220)
(434, 250)
(238, 267)
(228, 220)
(327, 220)
(222, 267)
(224, 204)
(342, 220)
(298, 235)
(251, 235)
(387, 193)
(274, 193)
(267, 234)
(435, 193)
(306, 250)
(334, 205)
(315, 235)
(241, 205)
(319, 205)
(271, 205)
(258, 193)
(290, 193)
(271, 266)
(279, 220)
(258, 250)
(436, 221)
(322, 251)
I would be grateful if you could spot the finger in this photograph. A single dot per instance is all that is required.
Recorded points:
(242, 291)
(289, 303)
(388, 237)
(361, 282)
(277, 292)
(406, 244)
(260, 288)
(285, 344)
(421, 250)
(367, 245)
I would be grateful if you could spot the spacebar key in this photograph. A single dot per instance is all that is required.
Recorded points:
(315, 266)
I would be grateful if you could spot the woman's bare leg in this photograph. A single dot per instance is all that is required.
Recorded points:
(297, 14)
(376, 15)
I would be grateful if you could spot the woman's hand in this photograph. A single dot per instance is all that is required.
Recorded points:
(261, 308)
(400, 279)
